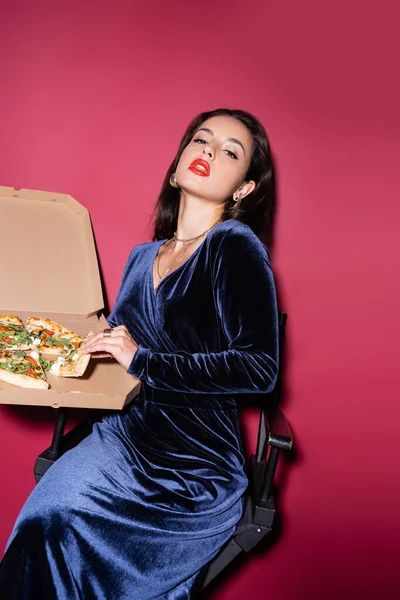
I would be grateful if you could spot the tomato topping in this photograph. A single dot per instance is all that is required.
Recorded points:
(49, 332)
(31, 373)
(4, 328)
(32, 361)
(7, 340)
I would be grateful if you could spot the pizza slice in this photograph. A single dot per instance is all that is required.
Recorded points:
(22, 369)
(74, 365)
(54, 339)
(13, 335)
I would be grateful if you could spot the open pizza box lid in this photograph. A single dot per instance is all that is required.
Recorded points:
(49, 268)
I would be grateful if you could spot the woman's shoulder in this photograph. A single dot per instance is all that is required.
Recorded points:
(231, 234)
(142, 251)
(234, 228)
(146, 246)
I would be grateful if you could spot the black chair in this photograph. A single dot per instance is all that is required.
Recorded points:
(259, 509)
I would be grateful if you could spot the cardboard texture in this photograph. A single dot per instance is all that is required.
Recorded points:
(49, 269)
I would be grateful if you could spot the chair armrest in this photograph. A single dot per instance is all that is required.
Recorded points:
(273, 431)
(279, 434)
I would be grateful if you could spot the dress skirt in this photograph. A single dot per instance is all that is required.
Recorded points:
(133, 512)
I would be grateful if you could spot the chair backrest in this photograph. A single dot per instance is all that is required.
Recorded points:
(271, 400)
(259, 508)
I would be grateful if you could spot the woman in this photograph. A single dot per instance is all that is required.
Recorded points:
(148, 499)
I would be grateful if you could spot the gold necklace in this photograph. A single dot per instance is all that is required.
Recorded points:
(186, 243)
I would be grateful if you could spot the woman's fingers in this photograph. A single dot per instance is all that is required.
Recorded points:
(118, 332)
(102, 346)
(114, 341)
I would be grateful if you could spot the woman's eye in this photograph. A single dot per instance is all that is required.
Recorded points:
(199, 141)
(231, 154)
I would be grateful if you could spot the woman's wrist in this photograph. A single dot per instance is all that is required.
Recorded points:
(138, 363)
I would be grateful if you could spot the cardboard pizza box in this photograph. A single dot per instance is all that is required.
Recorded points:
(49, 268)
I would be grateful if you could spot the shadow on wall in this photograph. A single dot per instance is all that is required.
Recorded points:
(106, 310)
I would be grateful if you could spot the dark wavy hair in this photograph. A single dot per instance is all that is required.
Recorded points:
(256, 209)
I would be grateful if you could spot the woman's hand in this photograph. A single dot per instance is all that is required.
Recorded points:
(120, 344)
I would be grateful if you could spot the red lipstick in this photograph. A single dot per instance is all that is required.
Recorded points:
(200, 167)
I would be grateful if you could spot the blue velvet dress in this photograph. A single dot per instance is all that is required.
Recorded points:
(148, 499)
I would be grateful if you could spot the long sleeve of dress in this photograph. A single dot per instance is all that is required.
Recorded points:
(244, 293)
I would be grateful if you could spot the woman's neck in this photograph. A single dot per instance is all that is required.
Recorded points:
(195, 216)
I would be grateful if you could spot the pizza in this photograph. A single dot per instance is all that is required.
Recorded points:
(54, 339)
(22, 369)
(13, 335)
(23, 351)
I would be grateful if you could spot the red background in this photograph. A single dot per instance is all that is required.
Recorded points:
(93, 99)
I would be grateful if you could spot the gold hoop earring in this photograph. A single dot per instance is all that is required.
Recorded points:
(172, 181)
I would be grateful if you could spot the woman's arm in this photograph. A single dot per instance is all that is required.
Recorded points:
(121, 346)
(246, 302)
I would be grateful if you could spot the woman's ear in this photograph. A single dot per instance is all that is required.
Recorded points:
(245, 189)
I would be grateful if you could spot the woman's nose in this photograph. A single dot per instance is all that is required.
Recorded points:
(208, 151)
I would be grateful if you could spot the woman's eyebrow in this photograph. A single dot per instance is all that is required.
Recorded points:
(233, 140)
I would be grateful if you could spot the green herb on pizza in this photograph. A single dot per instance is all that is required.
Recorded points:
(45, 364)
(13, 335)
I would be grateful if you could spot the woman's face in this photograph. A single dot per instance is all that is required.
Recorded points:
(214, 163)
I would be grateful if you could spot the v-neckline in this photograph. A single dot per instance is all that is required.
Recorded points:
(161, 242)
